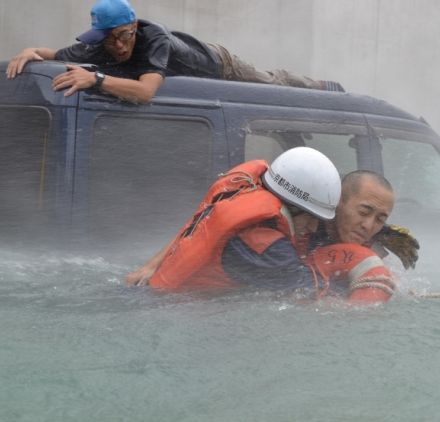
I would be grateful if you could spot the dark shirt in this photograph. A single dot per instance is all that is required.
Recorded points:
(320, 238)
(277, 268)
(156, 50)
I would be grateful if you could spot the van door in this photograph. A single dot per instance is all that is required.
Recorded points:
(35, 173)
(141, 170)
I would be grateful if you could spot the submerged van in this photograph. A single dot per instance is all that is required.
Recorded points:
(91, 171)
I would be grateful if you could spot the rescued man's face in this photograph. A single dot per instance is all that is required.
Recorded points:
(363, 215)
(120, 43)
(305, 224)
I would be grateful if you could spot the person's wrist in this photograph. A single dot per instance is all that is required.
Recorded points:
(99, 78)
(30, 51)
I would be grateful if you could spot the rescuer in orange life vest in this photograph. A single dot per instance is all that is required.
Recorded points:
(253, 228)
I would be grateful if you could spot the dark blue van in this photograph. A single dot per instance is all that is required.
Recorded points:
(93, 171)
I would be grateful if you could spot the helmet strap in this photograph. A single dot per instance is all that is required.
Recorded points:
(294, 211)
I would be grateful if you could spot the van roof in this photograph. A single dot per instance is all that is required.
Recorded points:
(220, 91)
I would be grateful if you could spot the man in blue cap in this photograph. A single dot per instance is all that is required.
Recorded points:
(134, 56)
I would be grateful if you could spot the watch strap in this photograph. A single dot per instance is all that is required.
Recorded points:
(99, 79)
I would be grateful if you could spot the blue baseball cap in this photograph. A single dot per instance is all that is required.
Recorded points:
(106, 15)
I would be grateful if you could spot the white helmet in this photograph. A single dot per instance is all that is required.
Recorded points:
(306, 178)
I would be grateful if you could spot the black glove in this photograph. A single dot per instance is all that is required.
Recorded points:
(399, 241)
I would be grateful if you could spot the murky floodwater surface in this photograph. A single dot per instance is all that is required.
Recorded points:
(78, 345)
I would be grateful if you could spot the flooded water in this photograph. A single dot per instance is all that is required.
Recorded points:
(78, 345)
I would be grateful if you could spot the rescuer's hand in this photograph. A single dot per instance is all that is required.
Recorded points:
(400, 242)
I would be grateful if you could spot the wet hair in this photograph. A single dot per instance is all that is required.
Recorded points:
(351, 182)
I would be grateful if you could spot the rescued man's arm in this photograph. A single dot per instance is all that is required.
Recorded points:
(136, 91)
(30, 54)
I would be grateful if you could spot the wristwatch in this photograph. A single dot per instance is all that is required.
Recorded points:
(99, 79)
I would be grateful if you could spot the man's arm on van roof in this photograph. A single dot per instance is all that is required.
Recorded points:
(136, 91)
(77, 78)
(18, 62)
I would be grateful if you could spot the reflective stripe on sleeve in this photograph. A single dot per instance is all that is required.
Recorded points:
(383, 285)
(366, 265)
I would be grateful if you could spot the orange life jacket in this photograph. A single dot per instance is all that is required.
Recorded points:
(366, 277)
(236, 204)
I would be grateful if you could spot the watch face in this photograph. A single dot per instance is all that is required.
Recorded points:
(99, 79)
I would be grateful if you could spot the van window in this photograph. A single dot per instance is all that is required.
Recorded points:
(146, 176)
(25, 156)
(269, 138)
(413, 169)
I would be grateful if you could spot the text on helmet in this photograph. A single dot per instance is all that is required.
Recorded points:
(292, 189)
